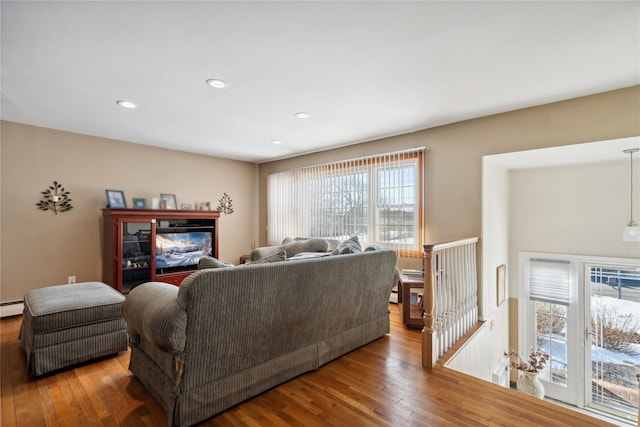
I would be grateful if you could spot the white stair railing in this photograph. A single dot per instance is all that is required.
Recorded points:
(450, 296)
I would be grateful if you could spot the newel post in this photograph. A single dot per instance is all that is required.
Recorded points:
(429, 346)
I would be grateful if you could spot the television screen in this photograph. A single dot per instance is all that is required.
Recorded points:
(181, 249)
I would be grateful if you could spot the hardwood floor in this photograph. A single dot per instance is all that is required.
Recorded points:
(380, 384)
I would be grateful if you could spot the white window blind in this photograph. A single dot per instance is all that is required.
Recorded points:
(379, 199)
(549, 281)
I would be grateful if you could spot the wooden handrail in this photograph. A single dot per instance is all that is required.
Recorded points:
(449, 244)
(450, 277)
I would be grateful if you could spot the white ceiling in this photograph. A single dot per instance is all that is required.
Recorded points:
(363, 70)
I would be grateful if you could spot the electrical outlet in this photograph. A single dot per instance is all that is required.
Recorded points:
(71, 280)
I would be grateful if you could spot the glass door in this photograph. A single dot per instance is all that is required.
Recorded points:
(585, 313)
(613, 337)
(135, 253)
(549, 310)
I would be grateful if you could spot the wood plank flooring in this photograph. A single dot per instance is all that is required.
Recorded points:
(380, 384)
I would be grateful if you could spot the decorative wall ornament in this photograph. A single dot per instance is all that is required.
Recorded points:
(225, 204)
(55, 199)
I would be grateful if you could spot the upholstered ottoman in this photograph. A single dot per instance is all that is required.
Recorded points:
(68, 324)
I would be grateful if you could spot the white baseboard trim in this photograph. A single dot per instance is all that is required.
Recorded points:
(12, 308)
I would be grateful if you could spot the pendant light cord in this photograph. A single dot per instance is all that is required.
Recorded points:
(631, 151)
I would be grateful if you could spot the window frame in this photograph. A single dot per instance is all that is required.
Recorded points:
(298, 185)
(375, 223)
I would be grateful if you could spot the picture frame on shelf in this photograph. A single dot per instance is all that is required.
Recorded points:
(168, 201)
(186, 206)
(501, 284)
(139, 203)
(115, 199)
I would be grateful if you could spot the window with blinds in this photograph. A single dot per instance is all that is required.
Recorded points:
(378, 199)
(549, 281)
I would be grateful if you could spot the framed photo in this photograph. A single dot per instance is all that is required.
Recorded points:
(186, 206)
(168, 201)
(139, 203)
(115, 199)
(501, 284)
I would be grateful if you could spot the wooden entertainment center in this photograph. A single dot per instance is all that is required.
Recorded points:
(145, 245)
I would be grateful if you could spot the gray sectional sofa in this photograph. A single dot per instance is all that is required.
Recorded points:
(227, 334)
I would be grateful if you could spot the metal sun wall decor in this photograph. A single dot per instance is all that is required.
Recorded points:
(55, 199)
(225, 204)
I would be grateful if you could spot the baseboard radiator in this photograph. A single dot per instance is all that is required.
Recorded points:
(11, 308)
(500, 375)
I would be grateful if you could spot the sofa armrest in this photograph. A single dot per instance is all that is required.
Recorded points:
(152, 312)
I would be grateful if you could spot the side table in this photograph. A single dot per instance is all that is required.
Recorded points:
(410, 301)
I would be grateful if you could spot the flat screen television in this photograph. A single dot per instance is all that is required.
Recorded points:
(181, 250)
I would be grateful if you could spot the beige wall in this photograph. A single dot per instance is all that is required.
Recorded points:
(453, 166)
(39, 248)
(577, 210)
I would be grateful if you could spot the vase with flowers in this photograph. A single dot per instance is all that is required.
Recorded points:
(528, 381)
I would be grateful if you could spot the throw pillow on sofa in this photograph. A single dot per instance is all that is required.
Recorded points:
(211, 262)
(295, 246)
(264, 251)
(280, 255)
(349, 246)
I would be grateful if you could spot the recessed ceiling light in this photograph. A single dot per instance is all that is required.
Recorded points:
(217, 83)
(303, 115)
(127, 104)
(276, 142)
